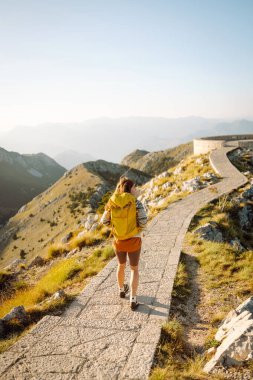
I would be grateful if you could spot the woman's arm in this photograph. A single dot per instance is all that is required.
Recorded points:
(106, 218)
(141, 214)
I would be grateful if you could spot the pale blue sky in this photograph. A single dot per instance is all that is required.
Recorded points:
(63, 61)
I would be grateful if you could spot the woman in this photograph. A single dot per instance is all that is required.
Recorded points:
(127, 217)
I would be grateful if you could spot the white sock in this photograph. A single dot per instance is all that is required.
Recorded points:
(133, 299)
(121, 289)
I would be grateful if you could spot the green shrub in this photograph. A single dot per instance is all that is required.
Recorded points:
(22, 254)
(104, 200)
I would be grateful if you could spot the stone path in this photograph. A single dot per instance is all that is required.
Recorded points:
(98, 337)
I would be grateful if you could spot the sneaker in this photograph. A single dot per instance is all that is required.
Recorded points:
(133, 303)
(123, 291)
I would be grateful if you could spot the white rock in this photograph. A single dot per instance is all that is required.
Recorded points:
(178, 170)
(92, 217)
(209, 175)
(191, 185)
(161, 202)
(59, 294)
(236, 335)
(232, 317)
(174, 191)
(236, 348)
(163, 175)
(81, 234)
(22, 209)
(94, 226)
(73, 252)
(166, 185)
(88, 224)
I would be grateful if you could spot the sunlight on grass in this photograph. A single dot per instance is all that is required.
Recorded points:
(60, 275)
(47, 285)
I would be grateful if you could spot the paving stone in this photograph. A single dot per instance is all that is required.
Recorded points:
(108, 324)
(54, 363)
(76, 307)
(139, 362)
(7, 359)
(100, 311)
(49, 345)
(149, 333)
(43, 327)
(151, 275)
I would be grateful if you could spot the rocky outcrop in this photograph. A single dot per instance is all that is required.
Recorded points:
(237, 245)
(111, 172)
(133, 158)
(90, 223)
(18, 313)
(248, 194)
(67, 237)
(246, 217)
(38, 261)
(236, 337)
(192, 185)
(210, 231)
(154, 163)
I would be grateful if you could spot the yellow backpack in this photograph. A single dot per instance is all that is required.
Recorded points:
(123, 216)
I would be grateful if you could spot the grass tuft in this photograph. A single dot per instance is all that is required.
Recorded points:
(56, 250)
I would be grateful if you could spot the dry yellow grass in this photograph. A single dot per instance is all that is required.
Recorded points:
(48, 222)
(47, 285)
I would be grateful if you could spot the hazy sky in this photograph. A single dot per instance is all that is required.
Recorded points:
(63, 60)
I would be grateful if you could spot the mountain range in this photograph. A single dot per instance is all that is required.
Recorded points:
(113, 139)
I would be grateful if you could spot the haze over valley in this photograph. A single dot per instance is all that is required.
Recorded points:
(112, 139)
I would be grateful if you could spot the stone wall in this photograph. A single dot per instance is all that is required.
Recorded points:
(207, 144)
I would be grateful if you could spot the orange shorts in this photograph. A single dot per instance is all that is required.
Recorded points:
(129, 245)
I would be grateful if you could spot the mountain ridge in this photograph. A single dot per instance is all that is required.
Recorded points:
(61, 208)
(154, 163)
(23, 177)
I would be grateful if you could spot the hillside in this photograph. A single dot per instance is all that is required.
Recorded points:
(156, 162)
(22, 177)
(60, 209)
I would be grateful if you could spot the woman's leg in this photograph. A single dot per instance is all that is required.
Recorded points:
(121, 256)
(134, 263)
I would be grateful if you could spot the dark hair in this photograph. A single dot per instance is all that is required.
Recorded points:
(124, 185)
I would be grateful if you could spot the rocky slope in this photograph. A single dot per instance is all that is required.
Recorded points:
(62, 208)
(156, 162)
(22, 177)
